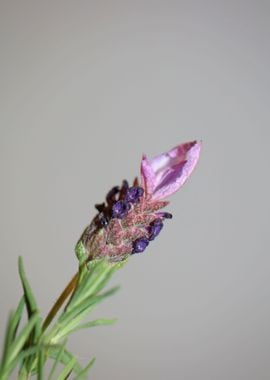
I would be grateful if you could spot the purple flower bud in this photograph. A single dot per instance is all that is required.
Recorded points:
(134, 193)
(155, 228)
(165, 215)
(120, 209)
(123, 189)
(111, 196)
(139, 245)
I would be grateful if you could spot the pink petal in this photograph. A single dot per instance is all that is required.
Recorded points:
(167, 172)
(147, 176)
(187, 156)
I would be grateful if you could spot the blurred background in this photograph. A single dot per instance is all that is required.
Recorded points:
(86, 88)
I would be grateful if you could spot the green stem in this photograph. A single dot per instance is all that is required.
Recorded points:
(71, 286)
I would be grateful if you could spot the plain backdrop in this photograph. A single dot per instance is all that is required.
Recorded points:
(85, 88)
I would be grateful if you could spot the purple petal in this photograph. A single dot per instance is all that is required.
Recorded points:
(179, 173)
(147, 176)
(167, 172)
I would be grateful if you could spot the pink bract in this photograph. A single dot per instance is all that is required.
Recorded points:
(167, 172)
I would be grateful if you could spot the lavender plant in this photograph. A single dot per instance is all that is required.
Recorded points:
(124, 225)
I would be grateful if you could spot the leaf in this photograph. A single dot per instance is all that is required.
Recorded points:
(106, 268)
(17, 317)
(23, 355)
(34, 350)
(65, 358)
(22, 337)
(32, 308)
(29, 299)
(84, 372)
(89, 277)
(83, 306)
(40, 365)
(94, 280)
(7, 342)
(67, 370)
(70, 320)
(56, 361)
(13, 351)
(97, 322)
(11, 331)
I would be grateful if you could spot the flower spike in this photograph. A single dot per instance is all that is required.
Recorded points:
(131, 217)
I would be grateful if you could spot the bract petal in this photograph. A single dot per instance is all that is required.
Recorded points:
(147, 176)
(180, 163)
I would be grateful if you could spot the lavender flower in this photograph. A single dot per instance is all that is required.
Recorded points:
(130, 218)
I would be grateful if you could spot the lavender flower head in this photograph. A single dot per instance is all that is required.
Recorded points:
(131, 218)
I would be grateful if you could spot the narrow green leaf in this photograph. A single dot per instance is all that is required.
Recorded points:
(85, 304)
(19, 358)
(99, 273)
(11, 330)
(97, 322)
(100, 280)
(7, 343)
(56, 361)
(22, 337)
(65, 358)
(67, 370)
(17, 317)
(84, 372)
(40, 365)
(29, 299)
(96, 274)
(24, 354)
(69, 321)
(15, 349)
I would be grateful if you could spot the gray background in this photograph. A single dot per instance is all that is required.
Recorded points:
(86, 87)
